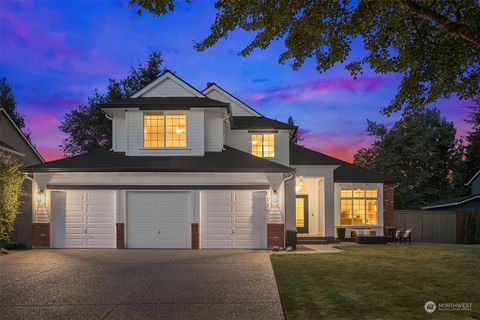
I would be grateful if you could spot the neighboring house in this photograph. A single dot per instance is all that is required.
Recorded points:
(201, 169)
(14, 142)
(460, 204)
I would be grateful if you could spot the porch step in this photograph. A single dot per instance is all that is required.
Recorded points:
(315, 240)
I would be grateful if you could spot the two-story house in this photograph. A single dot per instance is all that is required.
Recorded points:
(201, 169)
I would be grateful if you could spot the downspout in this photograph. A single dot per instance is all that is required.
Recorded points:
(113, 133)
(285, 180)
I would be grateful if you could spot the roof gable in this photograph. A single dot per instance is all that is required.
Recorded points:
(475, 176)
(168, 85)
(239, 108)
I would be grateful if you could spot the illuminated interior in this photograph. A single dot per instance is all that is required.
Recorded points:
(358, 206)
(164, 130)
(263, 145)
(300, 212)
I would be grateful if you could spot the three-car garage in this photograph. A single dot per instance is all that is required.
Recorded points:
(158, 218)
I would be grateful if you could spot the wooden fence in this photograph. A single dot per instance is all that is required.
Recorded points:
(432, 226)
(23, 230)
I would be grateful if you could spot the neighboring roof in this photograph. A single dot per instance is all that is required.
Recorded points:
(6, 147)
(473, 178)
(351, 173)
(158, 103)
(22, 135)
(300, 155)
(451, 202)
(213, 86)
(168, 74)
(253, 122)
(229, 160)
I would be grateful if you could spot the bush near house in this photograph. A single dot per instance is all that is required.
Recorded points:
(477, 229)
(472, 227)
(11, 179)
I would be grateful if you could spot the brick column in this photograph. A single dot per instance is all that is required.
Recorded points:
(388, 205)
(275, 235)
(41, 235)
(195, 236)
(120, 236)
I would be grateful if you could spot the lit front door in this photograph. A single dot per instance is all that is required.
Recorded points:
(301, 213)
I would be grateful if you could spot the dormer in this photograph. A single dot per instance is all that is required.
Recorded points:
(168, 117)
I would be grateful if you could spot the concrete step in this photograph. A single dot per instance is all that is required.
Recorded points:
(311, 241)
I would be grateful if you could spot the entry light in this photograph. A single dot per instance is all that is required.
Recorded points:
(40, 197)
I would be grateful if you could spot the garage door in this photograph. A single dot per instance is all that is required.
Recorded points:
(233, 219)
(159, 220)
(83, 219)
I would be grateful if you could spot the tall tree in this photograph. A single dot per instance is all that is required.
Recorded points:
(8, 102)
(295, 136)
(421, 153)
(87, 127)
(472, 148)
(435, 45)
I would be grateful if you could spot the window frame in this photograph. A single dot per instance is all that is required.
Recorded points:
(262, 143)
(164, 113)
(356, 199)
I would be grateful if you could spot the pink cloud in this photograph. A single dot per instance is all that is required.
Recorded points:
(313, 90)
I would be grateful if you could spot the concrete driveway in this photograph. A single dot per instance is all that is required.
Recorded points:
(138, 284)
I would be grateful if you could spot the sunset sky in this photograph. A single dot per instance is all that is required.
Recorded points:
(55, 53)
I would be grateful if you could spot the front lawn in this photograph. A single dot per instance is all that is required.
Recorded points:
(379, 282)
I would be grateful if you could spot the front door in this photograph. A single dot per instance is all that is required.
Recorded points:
(301, 213)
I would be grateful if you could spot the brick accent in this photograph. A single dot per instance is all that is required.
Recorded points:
(388, 205)
(195, 236)
(41, 235)
(120, 236)
(275, 235)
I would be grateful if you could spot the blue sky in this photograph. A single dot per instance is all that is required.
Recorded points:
(55, 53)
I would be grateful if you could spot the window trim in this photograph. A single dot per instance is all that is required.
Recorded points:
(262, 133)
(364, 199)
(164, 130)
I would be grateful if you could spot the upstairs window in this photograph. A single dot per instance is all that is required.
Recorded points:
(164, 130)
(358, 206)
(263, 145)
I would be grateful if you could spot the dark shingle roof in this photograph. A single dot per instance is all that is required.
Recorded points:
(451, 202)
(253, 122)
(7, 146)
(351, 173)
(229, 160)
(166, 103)
(300, 155)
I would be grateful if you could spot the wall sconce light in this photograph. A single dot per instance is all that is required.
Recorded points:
(274, 196)
(299, 185)
(40, 197)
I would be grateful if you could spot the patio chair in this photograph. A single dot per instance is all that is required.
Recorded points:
(407, 236)
(398, 236)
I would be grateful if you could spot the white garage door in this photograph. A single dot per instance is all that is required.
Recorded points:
(233, 219)
(83, 219)
(159, 219)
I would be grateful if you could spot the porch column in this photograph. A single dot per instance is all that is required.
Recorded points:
(329, 189)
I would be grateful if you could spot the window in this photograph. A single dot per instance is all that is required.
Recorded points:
(263, 145)
(164, 130)
(358, 206)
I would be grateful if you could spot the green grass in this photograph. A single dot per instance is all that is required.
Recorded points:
(379, 282)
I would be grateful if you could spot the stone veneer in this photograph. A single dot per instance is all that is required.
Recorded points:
(388, 205)
(275, 235)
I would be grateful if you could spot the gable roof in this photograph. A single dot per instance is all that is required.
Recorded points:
(170, 75)
(473, 178)
(229, 160)
(166, 103)
(213, 86)
(451, 202)
(299, 155)
(253, 122)
(9, 148)
(22, 135)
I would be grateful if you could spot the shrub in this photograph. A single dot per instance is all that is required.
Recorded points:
(470, 227)
(11, 179)
(477, 231)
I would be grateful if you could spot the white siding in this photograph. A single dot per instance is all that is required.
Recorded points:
(168, 88)
(241, 140)
(120, 132)
(237, 108)
(213, 131)
(195, 136)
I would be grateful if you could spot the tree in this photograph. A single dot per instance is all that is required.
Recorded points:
(295, 136)
(472, 148)
(7, 102)
(435, 45)
(11, 179)
(421, 153)
(87, 127)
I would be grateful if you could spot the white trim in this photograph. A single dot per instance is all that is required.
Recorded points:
(227, 95)
(21, 133)
(451, 204)
(473, 178)
(168, 75)
(12, 151)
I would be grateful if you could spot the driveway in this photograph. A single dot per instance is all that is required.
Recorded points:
(138, 284)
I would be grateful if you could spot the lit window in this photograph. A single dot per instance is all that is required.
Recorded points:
(164, 129)
(263, 145)
(358, 206)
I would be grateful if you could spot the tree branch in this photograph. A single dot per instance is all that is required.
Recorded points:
(453, 27)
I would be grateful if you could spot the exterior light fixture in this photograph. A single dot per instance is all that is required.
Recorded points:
(274, 195)
(40, 197)
(299, 185)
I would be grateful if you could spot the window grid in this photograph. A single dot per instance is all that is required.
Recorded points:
(263, 145)
(164, 129)
(358, 206)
